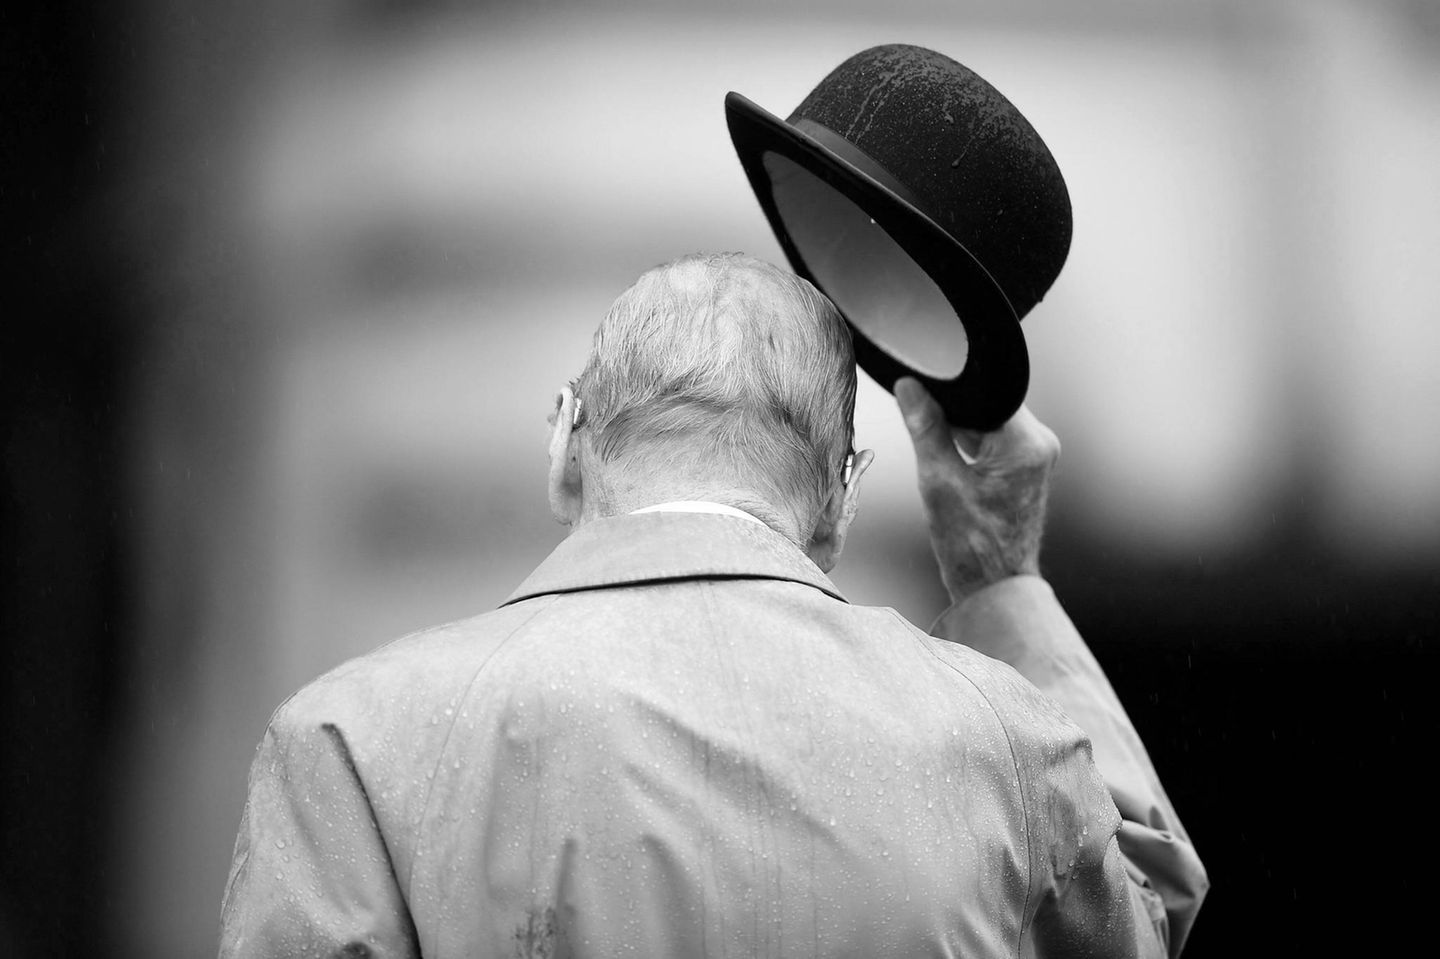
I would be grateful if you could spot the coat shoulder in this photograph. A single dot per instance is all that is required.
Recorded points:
(417, 672)
(1030, 717)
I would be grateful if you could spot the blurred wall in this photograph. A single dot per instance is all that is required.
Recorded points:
(365, 244)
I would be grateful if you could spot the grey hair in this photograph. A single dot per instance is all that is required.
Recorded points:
(723, 366)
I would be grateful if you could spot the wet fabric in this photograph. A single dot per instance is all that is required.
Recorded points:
(677, 738)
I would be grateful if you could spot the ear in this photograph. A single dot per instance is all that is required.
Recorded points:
(828, 540)
(566, 491)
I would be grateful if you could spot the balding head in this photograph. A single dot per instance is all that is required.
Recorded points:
(721, 371)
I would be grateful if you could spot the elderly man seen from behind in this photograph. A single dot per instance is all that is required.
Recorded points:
(677, 738)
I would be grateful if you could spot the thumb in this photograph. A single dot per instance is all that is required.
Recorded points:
(925, 420)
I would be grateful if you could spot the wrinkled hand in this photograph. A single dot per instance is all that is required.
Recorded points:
(986, 515)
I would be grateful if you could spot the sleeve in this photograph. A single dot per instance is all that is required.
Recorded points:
(311, 873)
(1150, 861)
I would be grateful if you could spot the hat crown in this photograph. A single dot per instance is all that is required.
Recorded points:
(969, 159)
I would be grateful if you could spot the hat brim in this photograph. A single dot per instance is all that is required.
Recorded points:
(996, 375)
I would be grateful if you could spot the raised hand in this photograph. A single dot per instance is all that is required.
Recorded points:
(986, 507)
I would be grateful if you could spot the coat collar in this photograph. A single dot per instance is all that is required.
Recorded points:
(651, 547)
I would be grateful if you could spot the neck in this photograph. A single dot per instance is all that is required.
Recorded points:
(615, 496)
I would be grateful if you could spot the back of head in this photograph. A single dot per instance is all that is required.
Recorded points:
(722, 371)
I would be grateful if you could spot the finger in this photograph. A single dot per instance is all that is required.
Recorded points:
(926, 423)
(1025, 439)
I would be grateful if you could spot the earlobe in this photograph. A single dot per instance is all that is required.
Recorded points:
(565, 486)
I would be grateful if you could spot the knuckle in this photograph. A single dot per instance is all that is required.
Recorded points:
(925, 422)
(1041, 445)
(1050, 445)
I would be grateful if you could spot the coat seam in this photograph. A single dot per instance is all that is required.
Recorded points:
(449, 731)
(1015, 761)
(334, 731)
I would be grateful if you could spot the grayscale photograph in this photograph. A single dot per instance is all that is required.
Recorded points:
(570, 480)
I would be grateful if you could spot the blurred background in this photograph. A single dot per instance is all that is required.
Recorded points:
(293, 287)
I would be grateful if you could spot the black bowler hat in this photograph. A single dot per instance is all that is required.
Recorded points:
(927, 208)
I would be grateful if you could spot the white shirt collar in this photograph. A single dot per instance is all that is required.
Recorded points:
(698, 506)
